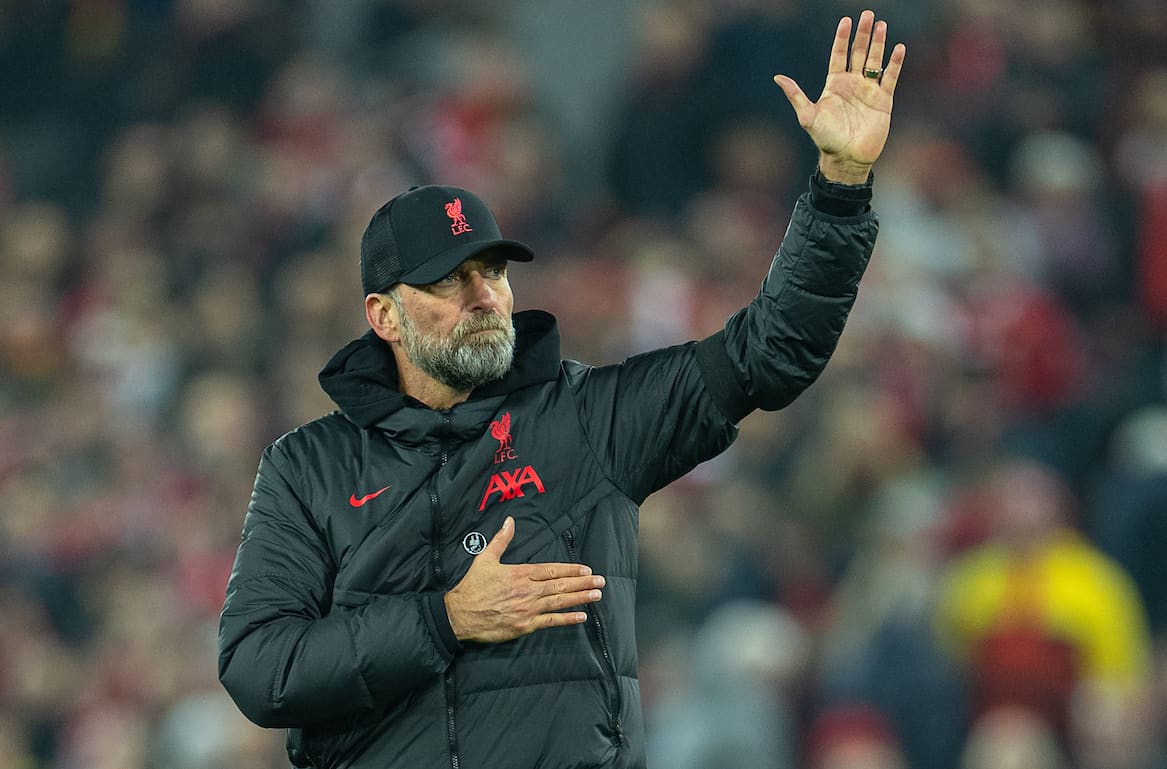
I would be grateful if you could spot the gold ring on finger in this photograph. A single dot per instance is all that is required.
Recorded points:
(874, 74)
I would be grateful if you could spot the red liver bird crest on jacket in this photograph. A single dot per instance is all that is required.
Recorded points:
(454, 211)
(500, 429)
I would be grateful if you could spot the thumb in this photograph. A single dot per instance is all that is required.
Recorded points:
(502, 539)
(794, 94)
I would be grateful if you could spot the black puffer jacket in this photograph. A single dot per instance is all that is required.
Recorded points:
(334, 624)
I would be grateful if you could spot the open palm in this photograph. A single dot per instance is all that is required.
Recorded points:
(850, 122)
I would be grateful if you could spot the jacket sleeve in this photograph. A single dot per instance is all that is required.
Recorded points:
(656, 416)
(287, 656)
(775, 347)
(650, 419)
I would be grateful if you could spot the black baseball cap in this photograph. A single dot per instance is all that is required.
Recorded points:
(423, 234)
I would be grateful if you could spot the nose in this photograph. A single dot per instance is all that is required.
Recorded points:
(481, 296)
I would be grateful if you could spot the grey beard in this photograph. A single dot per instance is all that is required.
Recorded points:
(460, 361)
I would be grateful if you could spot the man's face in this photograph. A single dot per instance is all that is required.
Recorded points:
(458, 330)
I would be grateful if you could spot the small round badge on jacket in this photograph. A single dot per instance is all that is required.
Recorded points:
(474, 543)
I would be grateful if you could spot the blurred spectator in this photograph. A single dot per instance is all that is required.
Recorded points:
(1037, 613)
(876, 646)
(733, 708)
(1127, 510)
(853, 736)
(1012, 737)
(1059, 182)
(203, 731)
(658, 153)
(1141, 163)
(750, 40)
(1111, 729)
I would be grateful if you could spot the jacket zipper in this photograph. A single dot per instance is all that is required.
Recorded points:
(439, 576)
(615, 700)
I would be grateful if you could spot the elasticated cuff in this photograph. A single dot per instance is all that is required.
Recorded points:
(433, 608)
(840, 200)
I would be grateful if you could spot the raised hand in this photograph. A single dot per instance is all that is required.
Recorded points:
(850, 122)
(496, 602)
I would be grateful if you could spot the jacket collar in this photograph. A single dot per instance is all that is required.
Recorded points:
(361, 378)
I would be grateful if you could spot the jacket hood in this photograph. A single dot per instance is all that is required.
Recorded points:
(361, 378)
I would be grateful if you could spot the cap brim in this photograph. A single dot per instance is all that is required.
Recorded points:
(446, 262)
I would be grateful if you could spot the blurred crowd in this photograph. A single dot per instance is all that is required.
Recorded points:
(948, 554)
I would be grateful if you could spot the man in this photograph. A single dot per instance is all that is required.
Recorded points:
(442, 573)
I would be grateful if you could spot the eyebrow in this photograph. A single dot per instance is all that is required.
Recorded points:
(487, 262)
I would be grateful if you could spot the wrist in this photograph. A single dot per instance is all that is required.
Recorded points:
(843, 171)
(445, 621)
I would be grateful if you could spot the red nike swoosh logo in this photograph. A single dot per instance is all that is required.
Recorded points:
(352, 500)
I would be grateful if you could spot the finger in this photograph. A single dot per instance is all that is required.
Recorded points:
(862, 40)
(572, 585)
(565, 600)
(891, 74)
(558, 619)
(803, 107)
(502, 539)
(875, 52)
(540, 572)
(838, 62)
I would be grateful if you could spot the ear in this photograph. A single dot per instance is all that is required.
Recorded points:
(382, 316)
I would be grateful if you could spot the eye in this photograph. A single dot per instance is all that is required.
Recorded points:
(496, 271)
(449, 280)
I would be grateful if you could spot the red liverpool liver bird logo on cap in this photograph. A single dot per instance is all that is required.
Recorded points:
(454, 211)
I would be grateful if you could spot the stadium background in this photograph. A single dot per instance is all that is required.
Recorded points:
(183, 184)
